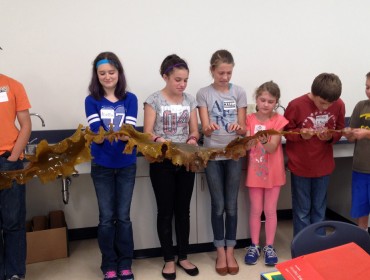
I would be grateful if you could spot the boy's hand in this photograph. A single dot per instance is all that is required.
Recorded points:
(347, 132)
(360, 133)
(307, 133)
(324, 134)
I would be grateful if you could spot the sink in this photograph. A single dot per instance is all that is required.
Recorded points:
(30, 149)
(51, 136)
(54, 136)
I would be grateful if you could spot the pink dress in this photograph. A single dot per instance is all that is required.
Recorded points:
(265, 170)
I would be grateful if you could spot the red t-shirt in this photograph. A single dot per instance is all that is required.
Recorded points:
(312, 158)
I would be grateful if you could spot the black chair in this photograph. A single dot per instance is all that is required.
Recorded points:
(328, 234)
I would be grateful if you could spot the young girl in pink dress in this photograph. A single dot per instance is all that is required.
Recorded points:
(266, 172)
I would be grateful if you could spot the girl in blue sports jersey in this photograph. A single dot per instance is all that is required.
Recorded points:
(113, 172)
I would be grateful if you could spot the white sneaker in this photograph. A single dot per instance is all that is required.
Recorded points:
(15, 277)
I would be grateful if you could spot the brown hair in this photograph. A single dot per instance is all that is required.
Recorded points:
(368, 75)
(96, 89)
(170, 63)
(270, 87)
(327, 86)
(221, 56)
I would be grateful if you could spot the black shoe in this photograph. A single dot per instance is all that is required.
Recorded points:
(168, 276)
(191, 271)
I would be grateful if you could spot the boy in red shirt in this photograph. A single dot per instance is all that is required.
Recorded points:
(310, 153)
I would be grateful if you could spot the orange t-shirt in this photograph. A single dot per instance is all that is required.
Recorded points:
(13, 98)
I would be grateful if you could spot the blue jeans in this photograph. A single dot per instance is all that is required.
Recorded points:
(360, 194)
(308, 200)
(114, 188)
(13, 225)
(223, 178)
(173, 188)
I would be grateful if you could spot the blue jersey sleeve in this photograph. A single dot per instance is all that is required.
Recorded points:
(92, 113)
(132, 107)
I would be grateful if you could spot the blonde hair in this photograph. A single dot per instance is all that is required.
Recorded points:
(221, 56)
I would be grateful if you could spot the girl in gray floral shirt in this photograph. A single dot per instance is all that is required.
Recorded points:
(170, 115)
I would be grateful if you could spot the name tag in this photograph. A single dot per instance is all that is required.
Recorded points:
(321, 121)
(4, 96)
(259, 127)
(174, 109)
(107, 114)
(229, 105)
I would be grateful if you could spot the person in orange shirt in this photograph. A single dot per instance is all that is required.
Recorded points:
(14, 106)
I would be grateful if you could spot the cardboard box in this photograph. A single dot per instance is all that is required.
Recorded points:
(49, 243)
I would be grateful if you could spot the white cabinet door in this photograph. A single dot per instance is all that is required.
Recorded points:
(204, 225)
(144, 215)
(285, 198)
(243, 210)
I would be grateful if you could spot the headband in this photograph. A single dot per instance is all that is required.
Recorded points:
(103, 61)
(175, 65)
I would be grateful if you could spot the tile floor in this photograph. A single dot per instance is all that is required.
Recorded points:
(84, 262)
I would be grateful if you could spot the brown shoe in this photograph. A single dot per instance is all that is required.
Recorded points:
(221, 270)
(233, 270)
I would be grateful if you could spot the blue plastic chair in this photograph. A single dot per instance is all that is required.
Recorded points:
(328, 234)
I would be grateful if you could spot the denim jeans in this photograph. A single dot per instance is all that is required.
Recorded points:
(13, 225)
(308, 200)
(114, 188)
(223, 178)
(173, 188)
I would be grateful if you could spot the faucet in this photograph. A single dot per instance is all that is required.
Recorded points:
(38, 115)
(33, 140)
(280, 106)
(30, 148)
(66, 182)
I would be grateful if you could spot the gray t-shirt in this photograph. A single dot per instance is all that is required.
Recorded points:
(361, 119)
(172, 120)
(222, 110)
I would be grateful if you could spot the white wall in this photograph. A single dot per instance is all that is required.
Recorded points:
(49, 46)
